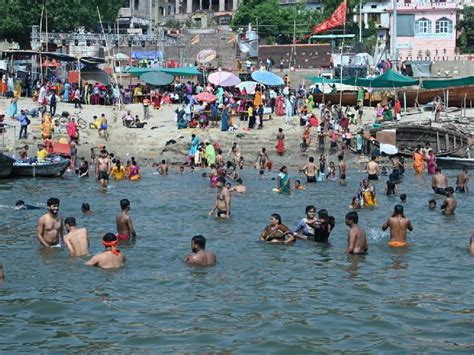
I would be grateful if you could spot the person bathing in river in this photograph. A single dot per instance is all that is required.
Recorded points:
(223, 200)
(439, 182)
(356, 239)
(111, 258)
(76, 239)
(283, 180)
(462, 181)
(373, 169)
(305, 228)
(399, 226)
(449, 205)
(200, 256)
(367, 194)
(298, 186)
(355, 204)
(50, 229)
(310, 169)
(276, 231)
(102, 168)
(125, 230)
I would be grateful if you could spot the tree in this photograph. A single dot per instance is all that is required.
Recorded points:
(275, 23)
(17, 16)
(466, 26)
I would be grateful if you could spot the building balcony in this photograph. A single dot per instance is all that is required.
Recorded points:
(434, 35)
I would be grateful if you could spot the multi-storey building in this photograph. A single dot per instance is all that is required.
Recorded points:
(426, 29)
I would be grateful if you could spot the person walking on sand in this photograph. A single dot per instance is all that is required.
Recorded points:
(280, 142)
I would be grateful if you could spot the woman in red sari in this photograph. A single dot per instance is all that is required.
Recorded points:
(279, 107)
(280, 142)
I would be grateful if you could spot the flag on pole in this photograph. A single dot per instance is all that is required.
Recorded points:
(195, 40)
(338, 18)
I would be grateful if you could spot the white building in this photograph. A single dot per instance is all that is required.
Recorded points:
(376, 11)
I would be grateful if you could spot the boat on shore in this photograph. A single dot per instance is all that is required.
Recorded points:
(6, 165)
(406, 137)
(455, 163)
(54, 167)
(413, 97)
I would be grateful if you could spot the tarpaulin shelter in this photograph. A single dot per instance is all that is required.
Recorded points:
(445, 84)
(389, 79)
(323, 80)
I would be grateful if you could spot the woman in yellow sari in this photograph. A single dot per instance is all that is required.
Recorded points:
(257, 102)
(418, 161)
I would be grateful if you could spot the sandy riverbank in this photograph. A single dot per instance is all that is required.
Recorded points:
(149, 144)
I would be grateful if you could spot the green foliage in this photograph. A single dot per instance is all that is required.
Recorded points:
(466, 25)
(17, 16)
(275, 23)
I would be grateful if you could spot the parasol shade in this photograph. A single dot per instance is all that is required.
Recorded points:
(249, 86)
(157, 78)
(267, 78)
(223, 78)
(206, 55)
(206, 97)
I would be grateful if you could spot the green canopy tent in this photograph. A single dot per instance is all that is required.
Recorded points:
(389, 79)
(186, 71)
(322, 80)
(444, 84)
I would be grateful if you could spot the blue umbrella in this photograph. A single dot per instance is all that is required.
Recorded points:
(267, 78)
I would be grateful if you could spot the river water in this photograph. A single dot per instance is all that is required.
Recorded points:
(259, 297)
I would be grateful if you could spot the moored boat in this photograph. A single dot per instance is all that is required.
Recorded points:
(54, 167)
(6, 165)
(455, 163)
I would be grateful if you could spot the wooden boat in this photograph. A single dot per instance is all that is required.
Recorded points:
(54, 167)
(413, 97)
(406, 138)
(6, 165)
(455, 163)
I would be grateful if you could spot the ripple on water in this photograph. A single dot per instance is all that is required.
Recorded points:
(302, 298)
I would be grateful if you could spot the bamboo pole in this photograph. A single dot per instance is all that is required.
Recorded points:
(41, 44)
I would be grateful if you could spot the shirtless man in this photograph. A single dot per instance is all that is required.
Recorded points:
(310, 170)
(125, 230)
(373, 169)
(462, 181)
(449, 205)
(399, 225)
(76, 239)
(439, 182)
(356, 240)
(163, 168)
(49, 230)
(262, 159)
(102, 168)
(223, 202)
(111, 258)
(239, 188)
(342, 170)
(201, 257)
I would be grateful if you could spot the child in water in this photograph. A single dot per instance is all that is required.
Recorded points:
(298, 185)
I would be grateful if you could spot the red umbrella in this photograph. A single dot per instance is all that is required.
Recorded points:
(206, 97)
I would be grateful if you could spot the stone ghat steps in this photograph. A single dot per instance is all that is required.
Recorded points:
(216, 41)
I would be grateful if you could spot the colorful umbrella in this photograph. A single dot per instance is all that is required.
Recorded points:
(249, 86)
(223, 78)
(206, 97)
(157, 78)
(267, 78)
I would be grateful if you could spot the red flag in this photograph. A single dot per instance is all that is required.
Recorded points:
(338, 18)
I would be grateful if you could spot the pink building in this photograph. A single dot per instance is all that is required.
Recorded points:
(426, 29)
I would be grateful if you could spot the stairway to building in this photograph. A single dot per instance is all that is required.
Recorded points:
(220, 40)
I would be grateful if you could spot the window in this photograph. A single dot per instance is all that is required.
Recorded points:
(423, 25)
(444, 25)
